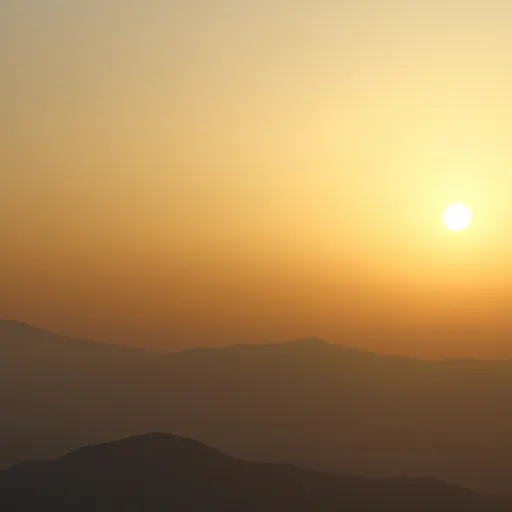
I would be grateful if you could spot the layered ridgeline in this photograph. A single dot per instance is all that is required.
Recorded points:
(158, 472)
(307, 403)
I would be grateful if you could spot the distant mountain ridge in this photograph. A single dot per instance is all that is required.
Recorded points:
(307, 402)
(157, 472)
(14, 334)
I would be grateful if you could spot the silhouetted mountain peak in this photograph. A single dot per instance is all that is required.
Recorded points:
(313, 345)
(14, 327)
(304, 347)
(153, 447)
(28, 343)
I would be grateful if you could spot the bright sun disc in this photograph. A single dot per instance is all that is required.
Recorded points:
(457, 216)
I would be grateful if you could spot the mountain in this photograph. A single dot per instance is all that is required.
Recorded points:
(308, 403)
(158, 472)
(26, 343)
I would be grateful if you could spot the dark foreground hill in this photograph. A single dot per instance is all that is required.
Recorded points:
(307, 403)
(158, 472)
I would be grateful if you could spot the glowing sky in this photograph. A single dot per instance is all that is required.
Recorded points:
(175, 173)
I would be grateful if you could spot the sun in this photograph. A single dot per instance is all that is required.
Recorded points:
(457, 216)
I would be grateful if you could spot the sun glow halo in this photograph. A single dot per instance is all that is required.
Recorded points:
(457, 216)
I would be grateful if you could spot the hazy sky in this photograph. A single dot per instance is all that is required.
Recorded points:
(177, 173)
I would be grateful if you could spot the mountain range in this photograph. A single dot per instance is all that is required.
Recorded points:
(158, 472)
(308, 403)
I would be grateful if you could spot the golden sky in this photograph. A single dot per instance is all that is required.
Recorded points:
(205, 172)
